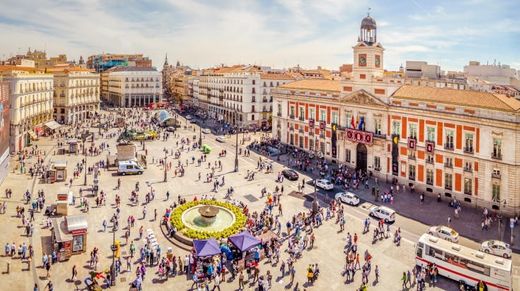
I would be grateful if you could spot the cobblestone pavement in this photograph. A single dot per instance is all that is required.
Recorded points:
(328, 249)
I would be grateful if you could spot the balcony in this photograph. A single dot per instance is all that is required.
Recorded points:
(448, 187)
(468, 169)
(429, 161)
(377, 169)
(468, 150)
(291, 116)
(496, 155)
(301, 118)
(279, 114)
(410, 157)
(448, 165)
(448, 146)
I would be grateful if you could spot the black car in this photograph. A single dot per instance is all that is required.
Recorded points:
(290, 174)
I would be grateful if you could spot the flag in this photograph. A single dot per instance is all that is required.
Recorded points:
(361, 123)
(352, 125)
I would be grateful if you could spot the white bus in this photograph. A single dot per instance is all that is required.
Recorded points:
(461, 263)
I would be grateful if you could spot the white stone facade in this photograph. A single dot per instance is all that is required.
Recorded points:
(133, 86)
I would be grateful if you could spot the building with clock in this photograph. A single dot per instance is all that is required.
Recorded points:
(459, 143)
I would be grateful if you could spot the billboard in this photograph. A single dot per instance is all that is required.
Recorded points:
(4, 129)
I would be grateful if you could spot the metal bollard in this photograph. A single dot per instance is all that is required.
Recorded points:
(8, 267)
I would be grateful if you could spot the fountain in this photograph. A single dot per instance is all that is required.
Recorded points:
(208, 214)
(208, 218)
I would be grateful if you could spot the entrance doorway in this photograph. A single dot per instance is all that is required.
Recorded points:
(361, 157)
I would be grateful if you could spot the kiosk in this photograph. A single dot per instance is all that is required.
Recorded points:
(69, 235)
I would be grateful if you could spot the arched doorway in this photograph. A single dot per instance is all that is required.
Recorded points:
(361, 157)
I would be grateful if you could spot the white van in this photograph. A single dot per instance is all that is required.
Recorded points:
(382, 212)
(129, 168)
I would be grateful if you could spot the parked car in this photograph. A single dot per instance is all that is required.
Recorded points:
(291, 175)
(497, 248)
(188, 117)
(324, 184)
(382, 212)
(206, 130)
(348, 198)
(444, 232)
(170, 129)
(220, 139)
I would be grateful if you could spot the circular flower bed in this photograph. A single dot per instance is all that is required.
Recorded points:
(176, 220)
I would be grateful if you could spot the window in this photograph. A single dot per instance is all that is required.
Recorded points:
(301, 141)
(412, 129)
(347, 155)
(496, 173)
(411, 172)
(468, 186)
(253, 90)
(448, 182)
(495, 195)
(497, 148)
(253, 82)
(467, 166)
(311, 144)
(377, 126)
(335, 117)
(449, 162)
(468, 138)
(430, 134)
(291, 139)
(411, 154)
(312, 113)
(377, 163)
(253, 110)
(449, 140)
(396, 127)
(323, 115)
(279, 109)
(291, 112)
(302, 114)
(429, 159)
(429, 176)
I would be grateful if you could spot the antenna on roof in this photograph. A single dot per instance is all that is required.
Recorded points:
(368, 13)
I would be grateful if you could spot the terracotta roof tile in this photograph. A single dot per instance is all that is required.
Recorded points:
(276, 76)
(458, 97)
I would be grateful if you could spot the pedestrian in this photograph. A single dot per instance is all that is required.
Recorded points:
(74, 273)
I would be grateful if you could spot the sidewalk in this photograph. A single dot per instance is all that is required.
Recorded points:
(432, 212)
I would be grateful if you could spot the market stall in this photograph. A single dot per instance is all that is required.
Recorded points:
(208, 260)
(245, 247)
(69, 235)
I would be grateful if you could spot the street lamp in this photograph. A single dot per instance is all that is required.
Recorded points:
(200, 134)
(165, 164)
(85, 156)
(113, 267)
(236, 149)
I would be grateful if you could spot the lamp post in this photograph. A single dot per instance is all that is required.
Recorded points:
(200, 134)
(85, 156)
(165, 165)
(236, 149)
(113, 267)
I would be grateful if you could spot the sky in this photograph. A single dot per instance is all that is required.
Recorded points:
(276, 33)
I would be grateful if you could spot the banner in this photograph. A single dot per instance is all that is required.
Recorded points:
(359, 136)
(334, 139)
(4, 129)
(395, 154)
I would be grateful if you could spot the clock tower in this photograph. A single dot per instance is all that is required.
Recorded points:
(368, 53)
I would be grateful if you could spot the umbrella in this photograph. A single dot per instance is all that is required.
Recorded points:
(244, 241)
(206, 248)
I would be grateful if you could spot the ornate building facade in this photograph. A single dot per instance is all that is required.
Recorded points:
(458, 143)
(30, 98)
(76, 94)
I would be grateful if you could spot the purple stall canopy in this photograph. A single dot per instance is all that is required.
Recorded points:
(244, 241)
(206, 248)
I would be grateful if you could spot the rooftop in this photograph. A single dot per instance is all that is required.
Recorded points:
(314, 85)
(276, 76)
(130, 69)
(458, 97)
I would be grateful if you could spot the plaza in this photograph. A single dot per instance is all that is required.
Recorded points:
(327, 251)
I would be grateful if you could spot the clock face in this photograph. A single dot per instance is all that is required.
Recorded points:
(362, 60)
